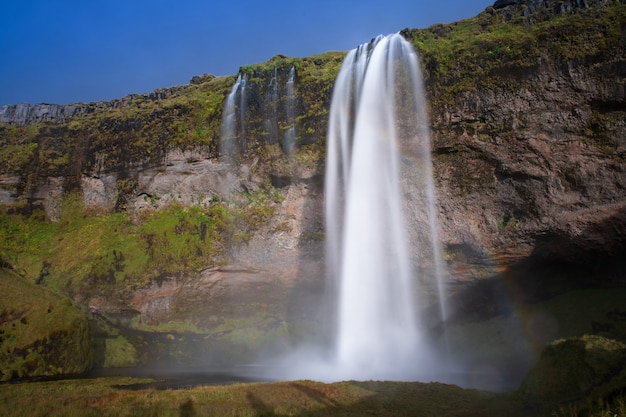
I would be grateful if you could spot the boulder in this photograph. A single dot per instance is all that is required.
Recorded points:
(571, 369)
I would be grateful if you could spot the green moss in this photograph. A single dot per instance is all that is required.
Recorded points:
(570, 369)
(102, 254)
(473, 53)
(14, 157)
(41, 333)
(251, 332)
(179, 238)
(118, 353)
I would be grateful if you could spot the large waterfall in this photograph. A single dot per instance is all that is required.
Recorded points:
(384, 263)
(381, 223)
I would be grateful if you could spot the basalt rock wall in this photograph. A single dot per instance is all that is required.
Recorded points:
(26, 114)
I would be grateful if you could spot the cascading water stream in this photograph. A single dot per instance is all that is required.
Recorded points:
(271, 110)
(378, 153)
(290, 112)
(232, 142)
(242, 112)
(229, 130)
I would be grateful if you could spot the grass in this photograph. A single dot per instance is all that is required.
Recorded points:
(104, 254)
(118, 396)
(89, 255)
(119, 353)
(111, 397)
(99, 253)
(569, 369)
(602, 408)
(142, 129)
(42, 333)
(474, 53)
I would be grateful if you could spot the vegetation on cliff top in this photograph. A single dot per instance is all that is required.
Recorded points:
(457, 57)
(474, 53)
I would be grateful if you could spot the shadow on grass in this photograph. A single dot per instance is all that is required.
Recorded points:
(382, 399)
(260, 408)
(187, 409)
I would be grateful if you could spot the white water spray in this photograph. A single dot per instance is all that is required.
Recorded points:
(379, 188)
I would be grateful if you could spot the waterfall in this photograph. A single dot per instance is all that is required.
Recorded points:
(242, 113)
(228, 141)
(231, 141)
(271, 110)
(290, 112)
(381, 225)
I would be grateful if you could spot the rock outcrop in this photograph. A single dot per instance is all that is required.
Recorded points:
(558, 7)
(527, 164)
(26, 114)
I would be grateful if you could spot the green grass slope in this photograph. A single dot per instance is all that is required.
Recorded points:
(41, 332)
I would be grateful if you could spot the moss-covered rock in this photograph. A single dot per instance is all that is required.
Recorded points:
(41, 332)
(572, 369)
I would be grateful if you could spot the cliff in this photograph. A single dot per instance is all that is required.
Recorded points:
(28, 114)
(139, 217)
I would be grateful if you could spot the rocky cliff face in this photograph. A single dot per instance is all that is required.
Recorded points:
(536, 160)
(558, 7)
(529, 128)
(27, 114)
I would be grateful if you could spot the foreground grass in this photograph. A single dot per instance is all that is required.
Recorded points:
(111, 397)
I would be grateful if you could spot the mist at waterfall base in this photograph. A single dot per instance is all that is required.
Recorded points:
(382, 251)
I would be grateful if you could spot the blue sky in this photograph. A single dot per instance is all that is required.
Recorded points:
(66, 51)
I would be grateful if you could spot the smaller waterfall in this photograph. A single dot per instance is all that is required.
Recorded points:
(231, 141)
(271, 109)
(290, 112)
(242, 113)
(228, 141)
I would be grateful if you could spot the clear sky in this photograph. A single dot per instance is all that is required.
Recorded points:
(66, 51)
